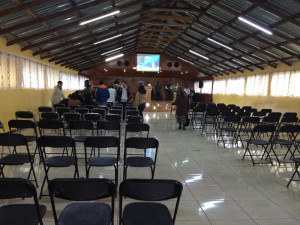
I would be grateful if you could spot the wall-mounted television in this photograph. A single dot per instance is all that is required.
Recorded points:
(147, 62)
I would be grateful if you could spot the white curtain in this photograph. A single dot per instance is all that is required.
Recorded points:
(219, 86)
(17, 72)
(207, 87)
(10, 67)
(294, 89)
(257, 85)
(235, 86)
(196, 87)
(285, 84)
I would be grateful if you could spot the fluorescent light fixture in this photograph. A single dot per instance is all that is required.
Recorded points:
(212, 40)
(105, 53)
(255, 25)
(185, 60)
(196, 53)
(98, 42)
(114, 57)
(100, 17)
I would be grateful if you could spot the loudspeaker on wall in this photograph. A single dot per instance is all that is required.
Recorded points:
(200, 84)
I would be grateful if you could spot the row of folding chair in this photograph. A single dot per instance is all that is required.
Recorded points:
(85, 208)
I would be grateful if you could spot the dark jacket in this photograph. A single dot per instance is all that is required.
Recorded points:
(182, 106)
(119, 94)
(157, 87)
(102, 94)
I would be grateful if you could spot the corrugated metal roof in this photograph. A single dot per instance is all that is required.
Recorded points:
(52, 29)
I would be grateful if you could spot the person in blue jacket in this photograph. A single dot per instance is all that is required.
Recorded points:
(102, 93)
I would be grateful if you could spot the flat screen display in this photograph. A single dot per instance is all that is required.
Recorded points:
(147, 62)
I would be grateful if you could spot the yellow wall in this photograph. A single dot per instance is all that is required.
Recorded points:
(25, 99)
(278, 104)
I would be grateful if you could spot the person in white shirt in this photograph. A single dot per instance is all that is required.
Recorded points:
(123, 95)
(57, 94)
(187, 90)
(112, 94)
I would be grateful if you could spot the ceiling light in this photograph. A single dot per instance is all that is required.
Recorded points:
(255, 25)
(212, 40)
(114, 57)
(100, 17)
(185, 60)
(111, 51)
(98, 42)
(196, 53)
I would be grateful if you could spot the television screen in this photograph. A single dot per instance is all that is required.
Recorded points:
(147, 62)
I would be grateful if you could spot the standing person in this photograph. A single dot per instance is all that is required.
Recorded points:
(102, 94)
(57, 93)
(182, 109)
(157, 91)
(112, 94)
(187, 91)
(123, 95)
(168, 91)
(140, 99)
(88, 96)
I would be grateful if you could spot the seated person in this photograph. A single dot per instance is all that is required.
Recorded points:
(73, 101)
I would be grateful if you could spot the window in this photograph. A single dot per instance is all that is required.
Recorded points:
(235, 86)
(285, 84)
(219, 87)
(294, 88)
(257, 85)
(207, 87)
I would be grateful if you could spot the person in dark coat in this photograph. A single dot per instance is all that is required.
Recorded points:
(182, 109)
(102, 94)
(157, 91)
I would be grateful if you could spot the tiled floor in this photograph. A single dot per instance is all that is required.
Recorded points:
(219, 188)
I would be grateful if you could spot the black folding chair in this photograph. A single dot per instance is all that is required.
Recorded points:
(90, 107)
(49, 116)
(113, 118)
(101, 161)
(58, 105)
(73, 107)
(20, 214)
(62, 161)
(83, 191)
(210, 120)
(137, 128)
(284, 136)
(257, 140)
(24, 115)
(229, 128)
(79, 126)
(132, 113)
(198, 115)
(115, 112)
(140, 160)
(108, 126)
(62, 110)
(100, 111)
(43, 109)
(134, 119)
(292, 120)
(148, 209)
(67, 117)
(130, 108)
(29, 125)
(15, 158)
(81, 111)
(245, 129)
(103, 107)
(93, 117)
(55, 125)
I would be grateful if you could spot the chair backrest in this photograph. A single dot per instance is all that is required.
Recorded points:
(132, 113)
(290, 114)
(71, 117)
(231, 106)
(21, 124)
(99, 111)
(102, 142)
(150, 190)
(289, 129)
(103, 107)
(58, 105)
(141, 143)
(81, 190)
(49, 116)
(253, 120)
(113, 118)
(244, 113)
(62, 110)
(24, 114)
(94, 117)
(12, 140)
(45, 109)
(275, 114)
(137, 127)
(56, 141)
(211, 107)
(201, 107)
(264, 128)
(80, 124)
(289, 119)
(73, 107)
(130, 108)
(20, 188)
(51, 125)
(115, 111)
(232, 119)
(134, 119)
(81, 111)
(90, 107)
(246, 108)
(266, 111)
